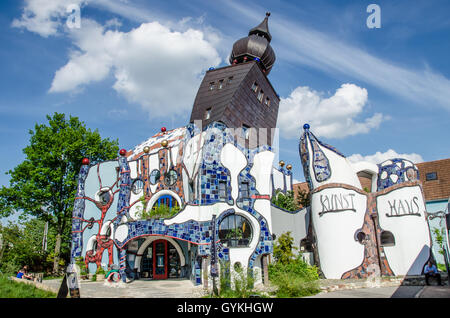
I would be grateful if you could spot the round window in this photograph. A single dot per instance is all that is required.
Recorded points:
(170, 178)
(154, 176)
(360, 236)
(104, 197)
(235, 231)
(137, 186)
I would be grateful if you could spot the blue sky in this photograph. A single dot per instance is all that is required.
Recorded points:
(134, 66)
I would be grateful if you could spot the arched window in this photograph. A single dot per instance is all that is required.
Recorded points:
(137, 186)
(154, 176)
(235, 231)
(166, 200)
(360, 236)
(170, 177)
(104, 197)
(387, 238)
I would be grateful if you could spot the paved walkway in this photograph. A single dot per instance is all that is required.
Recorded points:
(389, 292)
(183, 288)
(173, 288)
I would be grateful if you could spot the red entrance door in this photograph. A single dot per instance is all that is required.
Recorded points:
(160, 259)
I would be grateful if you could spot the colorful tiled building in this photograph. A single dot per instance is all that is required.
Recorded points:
(195, 202)
(194, 199)
(434, 177)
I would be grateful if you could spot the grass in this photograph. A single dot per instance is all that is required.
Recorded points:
(12, 289)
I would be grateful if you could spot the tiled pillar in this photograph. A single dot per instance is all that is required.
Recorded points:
(77, 216)
(122, 264)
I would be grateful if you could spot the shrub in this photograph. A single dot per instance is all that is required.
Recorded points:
(285, 201)
(242, 286)
(160, 211)
(295, 279)
(283, 249)
(292, 276)
(100, 271)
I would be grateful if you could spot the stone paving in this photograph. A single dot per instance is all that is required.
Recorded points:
(173, 288)
(182, 288)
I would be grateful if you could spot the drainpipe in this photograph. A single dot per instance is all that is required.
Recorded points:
(377, 243)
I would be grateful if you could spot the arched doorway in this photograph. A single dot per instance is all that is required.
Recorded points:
(161, 260)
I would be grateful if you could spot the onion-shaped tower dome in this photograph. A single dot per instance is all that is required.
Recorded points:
(255, 46)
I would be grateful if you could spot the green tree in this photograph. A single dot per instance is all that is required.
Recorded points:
(292, 276)
(22, 246)
(283, 248)
(44, 184)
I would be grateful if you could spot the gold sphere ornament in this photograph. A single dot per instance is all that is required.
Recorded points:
(281, 163)
(289, 167)
(164, 143)
(146, 149)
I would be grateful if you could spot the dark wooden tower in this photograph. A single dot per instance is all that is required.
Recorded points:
(240, 95)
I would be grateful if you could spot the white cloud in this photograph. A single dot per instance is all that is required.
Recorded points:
(154, 66)
(379, 157)
(332, 117)
(45, 17)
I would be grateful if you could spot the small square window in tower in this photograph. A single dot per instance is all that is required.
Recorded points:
(208, 113)
(255, 87)
(267, 101)
(220, 85)
(245, 131)
(211, 86)
(260, 96)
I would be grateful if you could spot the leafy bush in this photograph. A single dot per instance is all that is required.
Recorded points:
(160, 211)
(292, 276)
(242, 286)
(283, 249)
(295, 279)
(100, 271)
(285, 201)
(439, 235)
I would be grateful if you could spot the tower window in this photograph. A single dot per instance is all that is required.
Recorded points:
(431, 176)
(245, 131)
(230, 80)
(211, 86)
(260, 95)
(220, 86)
(267, 101)
(255, 87)
(208, 113)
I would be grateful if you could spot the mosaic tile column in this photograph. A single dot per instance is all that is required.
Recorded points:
(77, 216)
(123, 207)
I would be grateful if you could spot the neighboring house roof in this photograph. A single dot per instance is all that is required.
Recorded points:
(438, 189)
